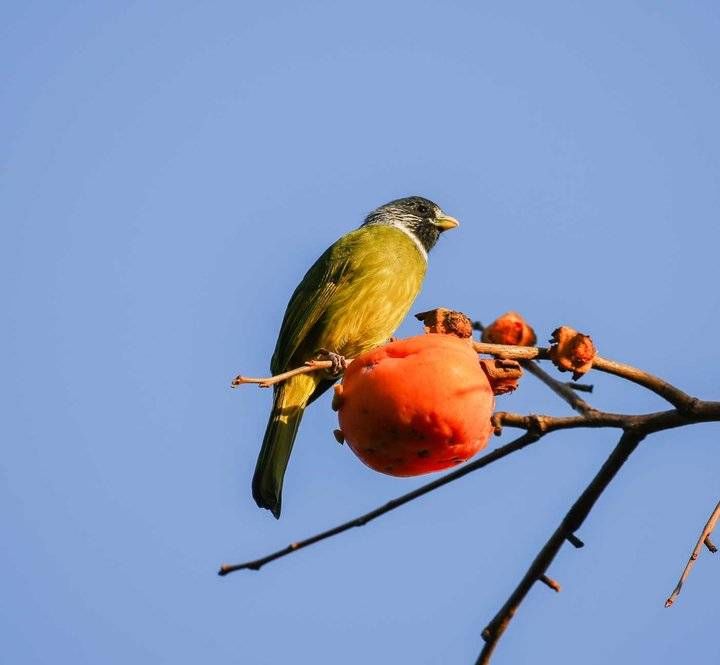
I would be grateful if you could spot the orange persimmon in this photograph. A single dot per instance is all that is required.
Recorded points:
(415, 405)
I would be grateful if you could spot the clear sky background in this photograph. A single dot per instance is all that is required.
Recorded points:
(169, 172)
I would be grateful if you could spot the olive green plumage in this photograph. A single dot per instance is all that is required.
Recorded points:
(352, 299)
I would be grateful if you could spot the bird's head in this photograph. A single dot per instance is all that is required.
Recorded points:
(418, 216)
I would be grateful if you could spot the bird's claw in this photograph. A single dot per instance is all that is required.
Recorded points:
(339, 363)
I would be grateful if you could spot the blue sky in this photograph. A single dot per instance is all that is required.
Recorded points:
(170, 170)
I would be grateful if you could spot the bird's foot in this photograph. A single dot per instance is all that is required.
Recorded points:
(339, 363)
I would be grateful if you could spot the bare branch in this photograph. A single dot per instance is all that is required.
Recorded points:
(565, 391)
(550, 582)
(511, 352)
(519, 443)
(536, 426)
(703, 539)
(553, 423)
(575, 541)
(572, 521)
(580, 387)
(679, 399)
(266, 382)
(687, 410)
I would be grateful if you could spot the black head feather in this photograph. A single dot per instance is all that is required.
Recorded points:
(415, 213)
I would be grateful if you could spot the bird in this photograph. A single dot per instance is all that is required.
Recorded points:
(351, 300)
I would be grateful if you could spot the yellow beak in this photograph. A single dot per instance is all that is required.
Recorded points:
(445, 222)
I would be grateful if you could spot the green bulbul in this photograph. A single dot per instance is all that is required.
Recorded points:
(352, 299)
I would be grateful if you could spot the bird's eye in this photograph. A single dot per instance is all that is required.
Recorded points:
(422, 208)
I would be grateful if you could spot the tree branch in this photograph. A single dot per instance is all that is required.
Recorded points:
(518, 444)
(565, 391)
(536, 426)
(550, 582)
(679, 399)
(571, 523)
(580, 387)
(267, 381)
(687, 410)
(704, 539)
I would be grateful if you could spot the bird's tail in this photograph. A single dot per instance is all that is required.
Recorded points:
(288, 406)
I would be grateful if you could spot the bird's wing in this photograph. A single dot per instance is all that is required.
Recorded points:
(310, 300)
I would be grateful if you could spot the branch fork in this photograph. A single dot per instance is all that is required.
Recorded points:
(578, 356)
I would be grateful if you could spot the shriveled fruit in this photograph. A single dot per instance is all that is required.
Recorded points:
(510, 328)
(416, 405)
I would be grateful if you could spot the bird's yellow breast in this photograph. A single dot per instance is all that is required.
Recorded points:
(385, 273)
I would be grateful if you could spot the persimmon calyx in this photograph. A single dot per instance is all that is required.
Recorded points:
(502, 374)
(446, 322)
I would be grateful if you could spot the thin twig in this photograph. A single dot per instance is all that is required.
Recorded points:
(572, 521)
(267, 381)
(563, 389)
(575, 541)
(519, 443)
(580, 387)
(536, 426)
(549, 581)
(510, 352)
(710, 545)
(678, 398)
(688, 410)
(705, 535)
